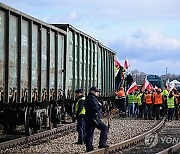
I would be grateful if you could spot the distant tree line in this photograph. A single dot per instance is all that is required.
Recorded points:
(171, 77)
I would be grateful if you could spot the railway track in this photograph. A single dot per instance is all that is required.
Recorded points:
(128, 144)
(164, 141)
(54, 133)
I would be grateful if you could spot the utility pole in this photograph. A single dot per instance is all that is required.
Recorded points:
(166, 73)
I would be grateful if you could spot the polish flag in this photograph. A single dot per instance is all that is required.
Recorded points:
(117, 62)
(150, 87)
(145, 84)
(132, 88)
(168, 84)
(126, 64)
(156, 87)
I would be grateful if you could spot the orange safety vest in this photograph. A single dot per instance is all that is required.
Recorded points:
(158, 99)
(121, 93)
(148, 99)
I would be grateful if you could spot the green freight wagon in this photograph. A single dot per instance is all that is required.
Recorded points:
(31, 71)
(41, 65)
(88, 63)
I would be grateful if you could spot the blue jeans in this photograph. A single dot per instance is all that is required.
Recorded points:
(131, 109)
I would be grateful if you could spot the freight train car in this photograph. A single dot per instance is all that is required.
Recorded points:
(41, 65)
(87, 63)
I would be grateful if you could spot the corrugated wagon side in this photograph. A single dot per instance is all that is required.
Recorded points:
(31, 70)
(88, 63)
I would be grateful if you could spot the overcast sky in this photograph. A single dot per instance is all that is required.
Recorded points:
(146, 31)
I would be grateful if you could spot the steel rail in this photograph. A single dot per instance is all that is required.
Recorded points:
(128, 143)
(175, 149)
(49, 133)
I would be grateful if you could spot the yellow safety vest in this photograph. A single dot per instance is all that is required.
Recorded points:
(170, 102)
(131, 99)
(83, 111)
(165, 92)
(138, 97)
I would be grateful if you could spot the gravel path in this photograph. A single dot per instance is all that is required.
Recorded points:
(120, 130)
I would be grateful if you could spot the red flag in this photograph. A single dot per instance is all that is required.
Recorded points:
(132, 88)
(150, 87)
(126, 64)
(145, 84)
(117, 63)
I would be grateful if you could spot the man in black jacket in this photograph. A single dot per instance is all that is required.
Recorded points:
(92, 119)
(80, 114)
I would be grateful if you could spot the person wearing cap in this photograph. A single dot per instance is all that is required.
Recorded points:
(80, 115)
(92, 119)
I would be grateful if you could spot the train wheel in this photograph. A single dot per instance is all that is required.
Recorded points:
(28, 129)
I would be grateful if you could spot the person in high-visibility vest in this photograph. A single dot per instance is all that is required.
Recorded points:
(80, 115)
(148, 105)
(139, 99)
(171, 105)
(165, 94)
(158, 101)
(130, 101)
(177, 98)
(121, 102)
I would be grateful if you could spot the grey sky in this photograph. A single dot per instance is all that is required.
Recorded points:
(146, 31)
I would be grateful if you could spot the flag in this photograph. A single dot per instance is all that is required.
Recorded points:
(117, 62)
(117, 65)
(150, 87)
(168, 84)
(172, 86)
(145, 84)
(132, 88)
(126, 64)
(156, 87)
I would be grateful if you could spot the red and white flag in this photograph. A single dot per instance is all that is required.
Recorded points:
(147, 85)
(132, 88)
(155, 87)
(172, 86)
(126, 64)
(117, 62)
(117, 65)
(168, 84)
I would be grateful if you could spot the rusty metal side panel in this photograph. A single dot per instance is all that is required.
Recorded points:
(13, 52)
(81, 74)
(34, 57)
(60, 61)
(52, 60)
(84, 78)
(24, 55)
(69, 63)
(76, 60)
(95, 66)
(99, 68)
(2, 47)
(44, 59)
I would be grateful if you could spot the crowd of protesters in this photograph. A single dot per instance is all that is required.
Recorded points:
(148, 104)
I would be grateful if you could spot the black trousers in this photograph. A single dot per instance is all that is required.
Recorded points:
(81, 129)
(91, 124)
